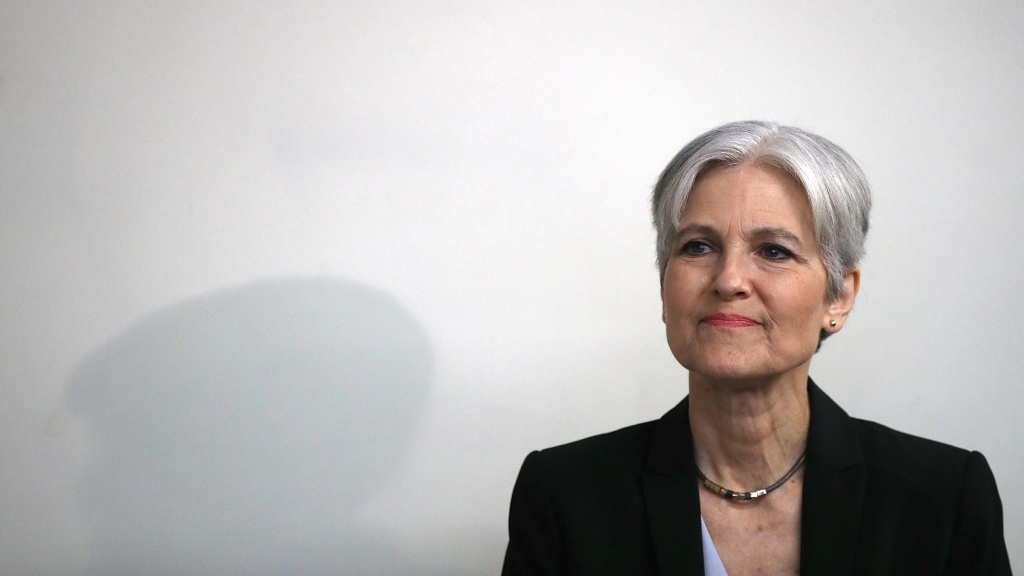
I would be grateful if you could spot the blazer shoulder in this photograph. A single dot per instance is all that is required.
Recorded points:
(880, 440)
(601, 456)
(912, 461)
(935, 489)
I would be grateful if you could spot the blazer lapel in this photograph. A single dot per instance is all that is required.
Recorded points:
(670, 493)
(833, 495)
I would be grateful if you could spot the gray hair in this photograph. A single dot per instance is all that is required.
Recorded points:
(835, 186)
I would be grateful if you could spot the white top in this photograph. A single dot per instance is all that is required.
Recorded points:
(712, 563)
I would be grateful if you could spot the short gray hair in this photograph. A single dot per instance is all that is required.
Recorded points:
(835, 186)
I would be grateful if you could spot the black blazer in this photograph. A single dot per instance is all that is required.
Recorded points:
(875, 502)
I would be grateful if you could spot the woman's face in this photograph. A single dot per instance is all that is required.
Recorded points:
(744, 289)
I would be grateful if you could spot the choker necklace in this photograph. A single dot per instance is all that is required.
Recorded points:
(734, 495)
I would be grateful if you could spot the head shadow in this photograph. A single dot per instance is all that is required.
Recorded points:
(239, 431)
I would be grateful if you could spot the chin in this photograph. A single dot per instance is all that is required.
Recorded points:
(729, 365)
(740, 375)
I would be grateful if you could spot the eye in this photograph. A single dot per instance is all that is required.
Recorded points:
(695, 248)
(775, 252)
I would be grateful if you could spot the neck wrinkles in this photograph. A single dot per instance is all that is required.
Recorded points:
(746, 438)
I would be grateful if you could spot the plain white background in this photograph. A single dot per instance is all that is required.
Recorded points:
(186, 186)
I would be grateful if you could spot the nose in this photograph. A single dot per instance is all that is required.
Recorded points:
(732, 278)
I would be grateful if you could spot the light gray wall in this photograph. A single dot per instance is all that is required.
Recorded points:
(290, 285)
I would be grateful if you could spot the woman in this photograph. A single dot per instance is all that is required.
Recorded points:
(760, 231)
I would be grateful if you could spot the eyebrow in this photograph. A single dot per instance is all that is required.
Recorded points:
(696, 230)
(761, 233)
(774, 232)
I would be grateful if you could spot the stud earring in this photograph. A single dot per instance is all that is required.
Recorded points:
(833, 323)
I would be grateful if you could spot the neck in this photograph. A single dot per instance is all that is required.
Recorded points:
(748, 434)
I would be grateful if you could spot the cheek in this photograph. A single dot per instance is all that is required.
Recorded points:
(680, 303)
(677, 306)
(680, 290)
(798, 307)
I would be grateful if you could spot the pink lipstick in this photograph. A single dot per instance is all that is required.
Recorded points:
(729, 321)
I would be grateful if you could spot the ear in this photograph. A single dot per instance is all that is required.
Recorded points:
(838, 310)
(664, 312)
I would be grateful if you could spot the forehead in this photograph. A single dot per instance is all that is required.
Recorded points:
(750, 195)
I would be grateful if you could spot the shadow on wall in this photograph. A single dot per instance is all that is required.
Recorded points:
(238, 432)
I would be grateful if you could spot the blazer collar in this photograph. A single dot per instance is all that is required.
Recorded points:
(670, 493)
(833, 493)
(834, 482)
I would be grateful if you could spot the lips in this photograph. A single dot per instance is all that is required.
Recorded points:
(729, 321)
